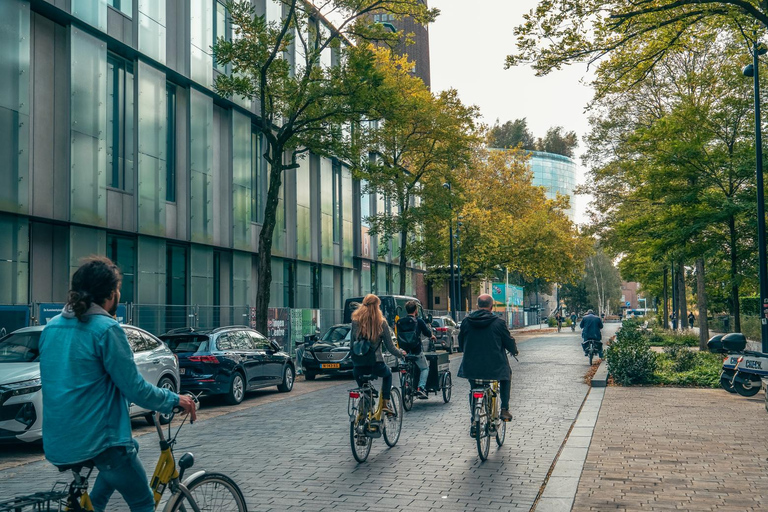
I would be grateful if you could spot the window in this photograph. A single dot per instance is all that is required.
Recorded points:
(120, 103)
(176, 284)
(220, 28)
(122, 251)
(336, 201)
(316, 284)
(124, 6)
(225, 342)
(289, 284)
(259, 342)
(242, 341)
(257, 176)
(170, 144)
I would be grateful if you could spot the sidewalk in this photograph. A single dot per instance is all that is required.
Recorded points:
(676, 449)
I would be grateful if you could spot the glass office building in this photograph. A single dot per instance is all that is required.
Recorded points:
(557, 174)
(113, 142)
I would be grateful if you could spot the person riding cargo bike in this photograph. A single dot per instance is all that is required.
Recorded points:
(410, 328)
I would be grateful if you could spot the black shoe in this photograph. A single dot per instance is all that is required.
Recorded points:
(505, 415)
(421, 393)
(473, 430)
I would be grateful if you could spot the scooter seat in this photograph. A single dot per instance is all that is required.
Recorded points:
(755, 353)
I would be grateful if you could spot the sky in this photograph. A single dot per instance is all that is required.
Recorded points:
(468, 44)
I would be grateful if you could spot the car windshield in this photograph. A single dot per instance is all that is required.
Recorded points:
(182, 344)
(338, 336)
(21, 347)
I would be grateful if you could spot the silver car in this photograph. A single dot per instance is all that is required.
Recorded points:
(21, 401)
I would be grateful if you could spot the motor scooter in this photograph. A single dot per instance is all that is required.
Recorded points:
(743, 370)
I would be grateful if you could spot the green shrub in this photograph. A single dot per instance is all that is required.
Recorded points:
(630, 360)
(552, 322)
(683, 360)
(664, 338)
(703, 369)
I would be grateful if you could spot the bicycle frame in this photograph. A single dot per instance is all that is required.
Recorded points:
(165, 470)
(491, 393)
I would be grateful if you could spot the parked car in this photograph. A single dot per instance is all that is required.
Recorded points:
(446, 332)
(229, 361)
(21, 401)
(329, 353)
(392, 307)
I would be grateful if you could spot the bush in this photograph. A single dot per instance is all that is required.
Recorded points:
(630, 360)
(552, 322)
(703, 369)
(663, 338)
(683, 360)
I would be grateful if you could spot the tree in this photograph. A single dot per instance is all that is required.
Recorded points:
(302, 106)
(420, 138)
(511, 134)
(557, 142)
(602, 282)
(626, 39)
(576, 297)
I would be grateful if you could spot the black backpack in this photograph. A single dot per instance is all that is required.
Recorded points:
(408, 337)
(364, 352)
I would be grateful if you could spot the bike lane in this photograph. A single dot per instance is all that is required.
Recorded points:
(294, 453)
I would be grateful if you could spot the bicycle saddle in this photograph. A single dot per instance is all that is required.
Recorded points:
(411, 357)
(364, 379)
(76, 467)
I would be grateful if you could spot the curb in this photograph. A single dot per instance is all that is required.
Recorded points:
(562, 483)
(600, 379)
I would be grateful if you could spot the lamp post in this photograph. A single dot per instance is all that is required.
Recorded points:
(458, 262)
(450, 237)
(752, 70)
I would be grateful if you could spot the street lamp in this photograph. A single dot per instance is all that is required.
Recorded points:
(752, 70)
(450, 237)
(458, 262)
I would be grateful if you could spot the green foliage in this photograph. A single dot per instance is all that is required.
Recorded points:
(688, 368)
(630, 360)
(551, 322)
(666, 338)
(515, 134)
(683, 359)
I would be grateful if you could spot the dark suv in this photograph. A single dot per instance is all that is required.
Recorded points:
(392, 307)
(229, 361)
(446, 332)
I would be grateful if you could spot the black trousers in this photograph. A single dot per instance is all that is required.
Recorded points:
(379, 370)
(505, 388)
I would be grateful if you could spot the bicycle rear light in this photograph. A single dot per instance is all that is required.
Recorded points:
(477, 394)
(354, 394)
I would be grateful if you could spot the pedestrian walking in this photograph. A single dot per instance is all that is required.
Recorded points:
(673, 317)
(691, 319)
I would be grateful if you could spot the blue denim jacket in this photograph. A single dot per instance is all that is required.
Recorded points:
(89, 377)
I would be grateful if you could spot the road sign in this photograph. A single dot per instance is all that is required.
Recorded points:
(628, 304)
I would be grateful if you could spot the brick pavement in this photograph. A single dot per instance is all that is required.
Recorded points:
(676, 449)
(295, 453)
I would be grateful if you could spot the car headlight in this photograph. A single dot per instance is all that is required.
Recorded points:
(24, 387)
(309, 356)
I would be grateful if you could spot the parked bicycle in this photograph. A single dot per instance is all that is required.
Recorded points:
(199, 492)
(365, 418)
(486, 420)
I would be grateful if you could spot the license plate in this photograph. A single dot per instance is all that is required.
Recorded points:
(329, 365)
(182, 371)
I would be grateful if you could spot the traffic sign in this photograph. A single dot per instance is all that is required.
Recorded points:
(628, 304)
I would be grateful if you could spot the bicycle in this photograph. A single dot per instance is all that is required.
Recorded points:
(365, 418)
(592, 348)
(200, 492)
(486, 420)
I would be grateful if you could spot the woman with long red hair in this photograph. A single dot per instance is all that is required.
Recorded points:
(368, 323)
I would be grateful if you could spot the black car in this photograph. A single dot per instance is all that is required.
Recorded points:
(447, 333)
(329, 354)
(229, 361)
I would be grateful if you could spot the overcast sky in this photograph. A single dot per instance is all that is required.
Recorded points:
(468, 44)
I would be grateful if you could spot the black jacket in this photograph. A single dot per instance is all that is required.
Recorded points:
(486, 340)
(590, 328)
(410, 323)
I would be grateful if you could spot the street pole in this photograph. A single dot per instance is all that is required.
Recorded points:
(758, 50)
(452, 290)
(458, 263)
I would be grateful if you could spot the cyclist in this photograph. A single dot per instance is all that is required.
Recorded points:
(88, 378)
(573, 321)
(369, 325)
(559, 319)
(590, 330)
(409, 331)
(486, 339)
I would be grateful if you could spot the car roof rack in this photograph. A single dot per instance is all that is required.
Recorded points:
(180, 330)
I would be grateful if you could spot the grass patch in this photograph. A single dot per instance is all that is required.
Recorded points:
(665, 338)
(695, 369)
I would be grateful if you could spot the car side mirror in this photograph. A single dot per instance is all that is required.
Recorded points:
(275, 346)
(310, 338)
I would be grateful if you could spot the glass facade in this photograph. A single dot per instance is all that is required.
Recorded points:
(556, 173)
(164, 177)
(14, 105)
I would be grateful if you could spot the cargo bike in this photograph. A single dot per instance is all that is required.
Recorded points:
(438, 381)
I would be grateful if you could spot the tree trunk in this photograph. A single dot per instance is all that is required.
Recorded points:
(682, 297)
(666, 299)
(701, 298)
(734, 275)
(264, 259)
(403, 261)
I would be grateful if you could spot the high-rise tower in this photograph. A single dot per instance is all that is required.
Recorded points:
(418, 51)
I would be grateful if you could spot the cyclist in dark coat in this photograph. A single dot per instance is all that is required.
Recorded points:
(486, 341)
(590, 330)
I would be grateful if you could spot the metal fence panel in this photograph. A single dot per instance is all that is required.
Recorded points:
(211, 317)
(161, 318)
(15, 316)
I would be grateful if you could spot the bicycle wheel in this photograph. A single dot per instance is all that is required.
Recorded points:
(407, 385)
(501, 430)
(211, 492)
(361, 443)
(393, 424)
(591, 355)
(447, 386)
(483, 437)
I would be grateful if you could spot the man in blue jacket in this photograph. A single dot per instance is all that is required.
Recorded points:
(88, 378)
(590, 330)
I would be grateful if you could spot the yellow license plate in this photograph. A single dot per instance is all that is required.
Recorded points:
(329, 365)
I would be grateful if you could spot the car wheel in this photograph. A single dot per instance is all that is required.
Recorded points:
(236, 389)
(309, 376)
(165, 383)
(288, 379)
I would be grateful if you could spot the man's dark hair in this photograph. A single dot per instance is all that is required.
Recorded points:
(93, 283)
(484, 302)
(411, 306)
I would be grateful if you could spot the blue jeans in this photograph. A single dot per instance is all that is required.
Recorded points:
(377, 370)
(120, 470)
(421, 363)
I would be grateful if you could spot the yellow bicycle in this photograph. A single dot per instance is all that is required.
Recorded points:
(366, 422)
(486, 419)
(199, 492)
